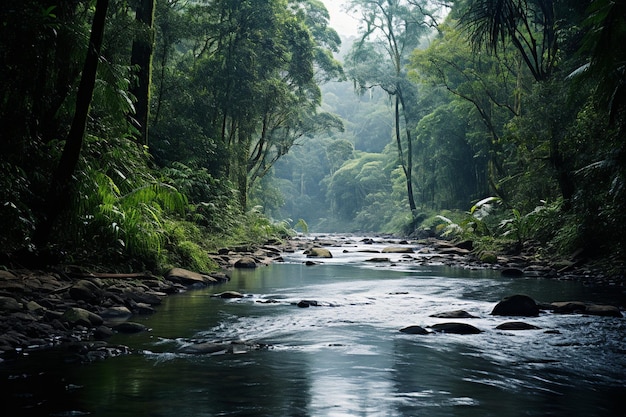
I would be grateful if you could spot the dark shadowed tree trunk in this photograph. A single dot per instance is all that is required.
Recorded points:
(59, 191)
(141, 59)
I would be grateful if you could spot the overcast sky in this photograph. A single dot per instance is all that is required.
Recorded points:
(339, 20)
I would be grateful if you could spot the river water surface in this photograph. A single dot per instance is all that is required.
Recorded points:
(347, 356)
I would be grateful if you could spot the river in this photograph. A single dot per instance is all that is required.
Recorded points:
(345, 357)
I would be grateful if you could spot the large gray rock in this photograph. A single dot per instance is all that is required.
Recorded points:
(318, 253)
(516, 305)
(79, 316)
(186, 277)
(245, 263)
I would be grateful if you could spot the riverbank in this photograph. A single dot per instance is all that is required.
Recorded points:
(80, 310)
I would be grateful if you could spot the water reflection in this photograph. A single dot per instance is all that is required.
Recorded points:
(348, 358)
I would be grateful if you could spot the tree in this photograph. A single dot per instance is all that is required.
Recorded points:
(391, 30)
(141, 60)
(59, 190)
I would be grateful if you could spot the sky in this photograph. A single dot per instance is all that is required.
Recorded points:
(339, 19)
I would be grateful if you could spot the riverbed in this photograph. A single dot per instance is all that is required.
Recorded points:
(344, 355)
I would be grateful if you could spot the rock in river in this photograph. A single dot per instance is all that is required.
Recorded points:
(516, 305)
(456, 328)
(318, 253)
(456, 314)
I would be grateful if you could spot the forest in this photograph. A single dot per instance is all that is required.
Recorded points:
(145, 133)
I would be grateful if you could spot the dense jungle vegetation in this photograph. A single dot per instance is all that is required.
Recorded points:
(146, 132)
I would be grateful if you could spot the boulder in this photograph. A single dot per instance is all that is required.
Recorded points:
(79, 316)
(318, 253)
(517, 325)
(455, 328)
(414, 330)
(186, 277)
(456, 314)
(9, 304)
(603, 310)
(308, 303)
(205, 348)
(398, 249)
(516, 305)
(86, 291)
(245, 262)
(228, 294)
(117, 312)
(378, 260)
(130, 327)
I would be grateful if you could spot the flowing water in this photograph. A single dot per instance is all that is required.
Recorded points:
(345, 357)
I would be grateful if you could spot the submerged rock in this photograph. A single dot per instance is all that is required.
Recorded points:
(456, 314)
(455, 328)
(414, 330)
(228, 294)
(517, 325)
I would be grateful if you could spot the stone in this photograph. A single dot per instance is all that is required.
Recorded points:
(455, 328)
(318, 253)
(86, 291)
(378, 260)
(398, 249)
(603, 310)
(130, 327)
(245, 262)
(81, 317)
(517, 325)
(456, 314)
(308, 303)
(516, 305)
(117, 312)
(228, 294)
(414, 330)
(9, 304)
(186, 277)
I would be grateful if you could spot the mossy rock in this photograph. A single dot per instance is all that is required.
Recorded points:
(488, 257)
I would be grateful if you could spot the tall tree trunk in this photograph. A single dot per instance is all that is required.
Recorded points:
(141, 58)
(59, 191)
(406, 168)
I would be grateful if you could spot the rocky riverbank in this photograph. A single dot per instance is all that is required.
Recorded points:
(79, 310)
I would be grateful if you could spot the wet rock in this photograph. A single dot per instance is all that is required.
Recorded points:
(512, 272)
(318, 253)
(378, 260)
(245, 262)
(567, 307)
(310, 263)
(205, 348)
(603, 310)
(9, 304)
(517, 325)
(579, 307)
(87, 291)
(398, 249)
(414, 330)
(228, 294)
(117, 312)
(456, 314)
(130, 327)
(80, 317)
(455, 328)
(102, 333)
(186, 277)
(308, 303)
(516, 305)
